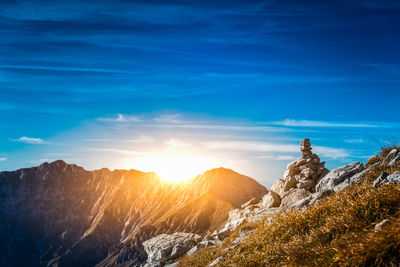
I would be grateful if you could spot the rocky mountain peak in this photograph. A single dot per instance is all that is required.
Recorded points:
(230, 186)
(106, 215)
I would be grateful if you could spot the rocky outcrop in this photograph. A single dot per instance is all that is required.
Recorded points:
(282, 196)
(271, 200)
(306, 182)
(385, 178)
(294, 195)
(338, 176)
(391, 157)
(164, 249)
(299, 193)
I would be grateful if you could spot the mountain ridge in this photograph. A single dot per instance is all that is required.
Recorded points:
(80, 217)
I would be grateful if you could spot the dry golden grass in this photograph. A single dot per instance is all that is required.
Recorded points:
(338, 231)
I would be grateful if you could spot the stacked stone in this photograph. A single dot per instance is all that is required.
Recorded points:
(306, 171)
(306, 148)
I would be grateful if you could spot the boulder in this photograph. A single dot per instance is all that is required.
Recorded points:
(271, 200)
(290, 182)
(385, 178)
(354, 179)
(394, 161)
(293, 196)
(337, 176)
(278, 187)
(392, 154)
(165, 248)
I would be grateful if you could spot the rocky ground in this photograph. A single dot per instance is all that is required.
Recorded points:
(306, 181)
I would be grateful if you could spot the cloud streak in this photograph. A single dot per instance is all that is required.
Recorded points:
(308, 123)
(122, 118)
(31, 140)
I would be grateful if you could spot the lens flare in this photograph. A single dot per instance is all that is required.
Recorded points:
(174, 167)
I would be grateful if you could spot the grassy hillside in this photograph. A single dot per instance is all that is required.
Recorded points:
(339, 230)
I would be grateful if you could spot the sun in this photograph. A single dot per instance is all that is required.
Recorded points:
(174, 167)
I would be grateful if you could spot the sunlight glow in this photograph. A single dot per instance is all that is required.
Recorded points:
(174, 167)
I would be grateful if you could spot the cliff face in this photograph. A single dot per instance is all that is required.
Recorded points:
(62, 214)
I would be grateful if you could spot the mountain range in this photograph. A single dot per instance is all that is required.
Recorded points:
(60, 214)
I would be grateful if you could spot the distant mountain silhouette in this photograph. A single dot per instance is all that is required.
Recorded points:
(61, 214)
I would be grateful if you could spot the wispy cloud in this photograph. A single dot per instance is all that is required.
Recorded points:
(286, 158)
(122, 118)
(330, 152)
(352, 141)
(229, 127)
(308, 123)
(250, 146)
(3, 159)
(31, 140)
(177, 120)
(169, 118)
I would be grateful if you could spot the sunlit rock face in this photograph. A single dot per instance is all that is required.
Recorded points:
(61, 214)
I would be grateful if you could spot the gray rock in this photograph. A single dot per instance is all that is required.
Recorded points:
(392, 154)
(293, 196)
(356, 178)
(311, 200)
(278, 187)
(271, 200)
(216, 261)
(290, 183)
(379, 226)
(394, 161)
(164, 248)
(385, 178)
(339, 175)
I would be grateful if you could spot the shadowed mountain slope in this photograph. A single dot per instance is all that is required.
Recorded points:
(61, 214)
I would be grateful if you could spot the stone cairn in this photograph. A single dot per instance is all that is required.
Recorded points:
(306, 171)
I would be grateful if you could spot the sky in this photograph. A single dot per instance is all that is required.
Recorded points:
(197, 84)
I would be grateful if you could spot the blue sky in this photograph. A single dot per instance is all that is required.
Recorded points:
(102, 84)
